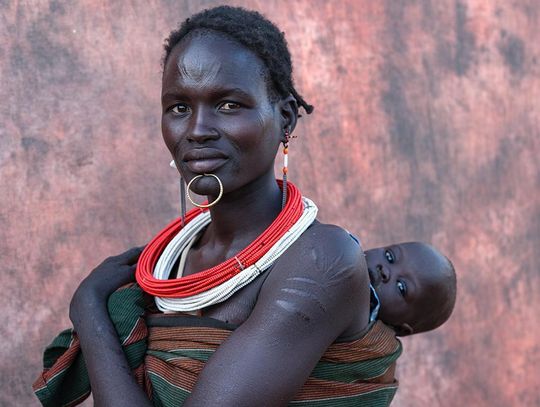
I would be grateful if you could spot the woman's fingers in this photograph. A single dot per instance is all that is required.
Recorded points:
(113, 273)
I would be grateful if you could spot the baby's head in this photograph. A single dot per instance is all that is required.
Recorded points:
(416, 286)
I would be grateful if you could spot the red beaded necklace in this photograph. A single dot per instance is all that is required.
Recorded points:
(214, 276)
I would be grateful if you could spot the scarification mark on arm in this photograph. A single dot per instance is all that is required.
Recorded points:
(304, 280)
(340, 274)
(293, 308)
(305, 294)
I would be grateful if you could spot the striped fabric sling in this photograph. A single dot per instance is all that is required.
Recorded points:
(167, 360)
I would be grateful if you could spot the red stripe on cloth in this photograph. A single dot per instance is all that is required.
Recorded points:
(62, 363)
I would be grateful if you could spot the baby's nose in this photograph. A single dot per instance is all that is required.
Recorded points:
(385, 275)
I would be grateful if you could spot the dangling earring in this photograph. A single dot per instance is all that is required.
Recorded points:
(183, 201)
(182, 197)
(285, 168)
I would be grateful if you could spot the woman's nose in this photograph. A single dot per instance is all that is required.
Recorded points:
(385, 274)
(203, 127)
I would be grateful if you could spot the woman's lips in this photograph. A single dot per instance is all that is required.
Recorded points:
(205, 165)
(204, 160)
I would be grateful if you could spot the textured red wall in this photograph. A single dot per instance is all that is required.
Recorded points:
(426, 127)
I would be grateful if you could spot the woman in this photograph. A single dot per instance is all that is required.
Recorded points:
(228, 104)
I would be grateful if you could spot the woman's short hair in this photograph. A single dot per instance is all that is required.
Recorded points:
(253, 31)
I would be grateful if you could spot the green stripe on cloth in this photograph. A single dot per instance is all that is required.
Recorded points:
(167, 359)
(57, 348)
(64, 380)
(67, 381)
(195, 354)
(375, 398)
(166, 393)
(350, 372)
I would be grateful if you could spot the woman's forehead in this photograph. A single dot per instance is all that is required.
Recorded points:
(210, 59)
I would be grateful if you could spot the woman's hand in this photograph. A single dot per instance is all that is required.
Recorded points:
(110, 375)
(106, 278)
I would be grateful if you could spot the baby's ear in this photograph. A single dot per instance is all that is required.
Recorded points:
(403, 330)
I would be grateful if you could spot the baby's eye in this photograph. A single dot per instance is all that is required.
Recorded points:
(389, 256)
(229, 106)
(180, 109)
(402, 288)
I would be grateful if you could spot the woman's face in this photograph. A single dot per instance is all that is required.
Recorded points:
(217, 117)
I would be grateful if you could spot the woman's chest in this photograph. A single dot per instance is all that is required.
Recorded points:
(236, 309)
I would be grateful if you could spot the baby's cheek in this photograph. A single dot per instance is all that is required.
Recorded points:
(387, 306)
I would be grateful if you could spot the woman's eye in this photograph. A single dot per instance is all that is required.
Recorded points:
(229, 106)
(179, 109)
(389, 256)
(402, 287)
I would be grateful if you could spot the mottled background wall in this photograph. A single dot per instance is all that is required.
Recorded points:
(426, 127)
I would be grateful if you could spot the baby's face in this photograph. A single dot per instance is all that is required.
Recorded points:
(407, 278)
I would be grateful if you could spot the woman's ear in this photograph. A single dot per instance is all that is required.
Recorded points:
(288, 108)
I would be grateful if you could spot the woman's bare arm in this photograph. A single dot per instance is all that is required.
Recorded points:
(311, 297)
(313, 294)
(110, 376)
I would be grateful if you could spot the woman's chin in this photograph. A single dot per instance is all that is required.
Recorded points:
(205, 186)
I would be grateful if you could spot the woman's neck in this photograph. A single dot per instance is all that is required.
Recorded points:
(246, 212)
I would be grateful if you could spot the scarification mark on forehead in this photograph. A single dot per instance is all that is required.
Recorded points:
(198, 66)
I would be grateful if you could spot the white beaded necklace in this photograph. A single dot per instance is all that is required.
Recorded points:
(185, 238)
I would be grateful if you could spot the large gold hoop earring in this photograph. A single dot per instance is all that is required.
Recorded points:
(208, 205)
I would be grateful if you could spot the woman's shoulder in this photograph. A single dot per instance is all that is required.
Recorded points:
(325, 251)
(324, 269)
(331, 240)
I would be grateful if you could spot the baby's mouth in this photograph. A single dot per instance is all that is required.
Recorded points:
(374, 277)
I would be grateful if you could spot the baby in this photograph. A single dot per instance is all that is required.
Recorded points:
(413, 287)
